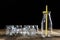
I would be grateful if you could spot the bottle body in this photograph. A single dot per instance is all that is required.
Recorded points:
(49, 24)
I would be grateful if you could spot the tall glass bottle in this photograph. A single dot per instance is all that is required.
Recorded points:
(49, 24)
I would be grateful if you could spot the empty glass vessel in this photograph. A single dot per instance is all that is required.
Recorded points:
(49, 24)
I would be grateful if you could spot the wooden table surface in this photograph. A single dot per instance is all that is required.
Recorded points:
(3, 31)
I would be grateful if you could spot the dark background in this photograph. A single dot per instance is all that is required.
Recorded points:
(24, 12)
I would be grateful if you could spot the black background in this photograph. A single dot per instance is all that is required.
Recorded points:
(24, 12)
